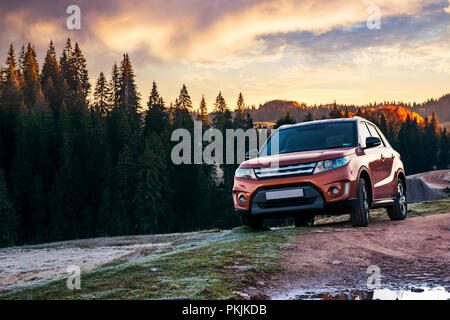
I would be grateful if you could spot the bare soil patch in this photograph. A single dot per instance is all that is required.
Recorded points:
(412, 252)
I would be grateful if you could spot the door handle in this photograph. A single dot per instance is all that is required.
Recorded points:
(382, 157)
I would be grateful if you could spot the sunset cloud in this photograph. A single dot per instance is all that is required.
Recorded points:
(304, 50)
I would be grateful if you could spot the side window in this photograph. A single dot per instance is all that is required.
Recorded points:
(363, 134)
(374, 133)
(383, 138)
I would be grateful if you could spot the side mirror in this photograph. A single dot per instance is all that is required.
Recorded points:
(372, 142)
(251, 154)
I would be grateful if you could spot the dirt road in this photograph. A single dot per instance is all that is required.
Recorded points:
(334, 258)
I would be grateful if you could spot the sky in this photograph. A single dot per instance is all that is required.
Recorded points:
(309, 51)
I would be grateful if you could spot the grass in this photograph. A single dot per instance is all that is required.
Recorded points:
(429, 207)
(212, 264)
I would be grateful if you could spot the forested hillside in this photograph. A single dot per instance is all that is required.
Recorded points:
(275, 109)
(74, 168)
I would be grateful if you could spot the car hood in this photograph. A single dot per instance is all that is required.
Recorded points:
(287, 159)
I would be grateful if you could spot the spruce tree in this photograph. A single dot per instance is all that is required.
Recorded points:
(444, 147)
(128, 95)
(101, 95)
(32, 94)
(114, 88)
(287, 119)
(153, 196)
(8, 216)
(383, 123)
(240, 116)
(52, 81)
(182, 110)
(10, 103)
(202, 114)
(156, 118)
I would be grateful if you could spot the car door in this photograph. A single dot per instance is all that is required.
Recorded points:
(385, 174)
(372, 156)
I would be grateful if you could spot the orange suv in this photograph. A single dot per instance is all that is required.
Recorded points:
(334, 166)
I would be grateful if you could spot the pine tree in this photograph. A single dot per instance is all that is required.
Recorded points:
(444, 147)
(39, 217)
(122, 194)
(202, 114)
(308, 117)
(52, 80)
(8, 217)
(104, 218)
(156, 118)
(101, 95)
(81, 83)
(10, 103)
(220, 105)
(65, 62)
(335, 112)
(182, 110)
(11, 72)
(152, 196)
(114, 88)
(383, 123)
(32, 93)
(240, 116)
(222, 114)
(287, 119)
(128, 95)
(431, 136)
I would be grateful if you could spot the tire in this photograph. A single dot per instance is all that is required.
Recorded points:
(359, 214)
(251, 221)
(304, 220)
(400, 208)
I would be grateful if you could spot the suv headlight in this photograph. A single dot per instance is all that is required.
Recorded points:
(245, 173)
(331, 164)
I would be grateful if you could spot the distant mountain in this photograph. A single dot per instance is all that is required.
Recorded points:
(275, 109)
(441, 106)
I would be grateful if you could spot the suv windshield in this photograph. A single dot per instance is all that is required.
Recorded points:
(311, 137)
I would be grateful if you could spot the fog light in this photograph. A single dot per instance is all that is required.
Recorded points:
(242, 199)
(334, 191)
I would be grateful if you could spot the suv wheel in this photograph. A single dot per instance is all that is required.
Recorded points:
(400, 208)
(359, 214)
(251, 221)
(304, 220)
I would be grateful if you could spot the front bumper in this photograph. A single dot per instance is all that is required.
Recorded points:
(312, 201)
(316, 188)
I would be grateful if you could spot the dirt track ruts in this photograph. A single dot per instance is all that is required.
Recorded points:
(414, 251)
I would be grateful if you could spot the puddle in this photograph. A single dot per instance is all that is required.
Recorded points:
(416, 293)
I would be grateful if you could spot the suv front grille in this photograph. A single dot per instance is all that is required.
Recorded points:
(285, 203)
(298, 169)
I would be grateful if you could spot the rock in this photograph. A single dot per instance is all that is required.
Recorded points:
(154, 269)
(175, 286)
(417, 290)
(260, 283)
(242, 294)
(336, 262)
(154, 287)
